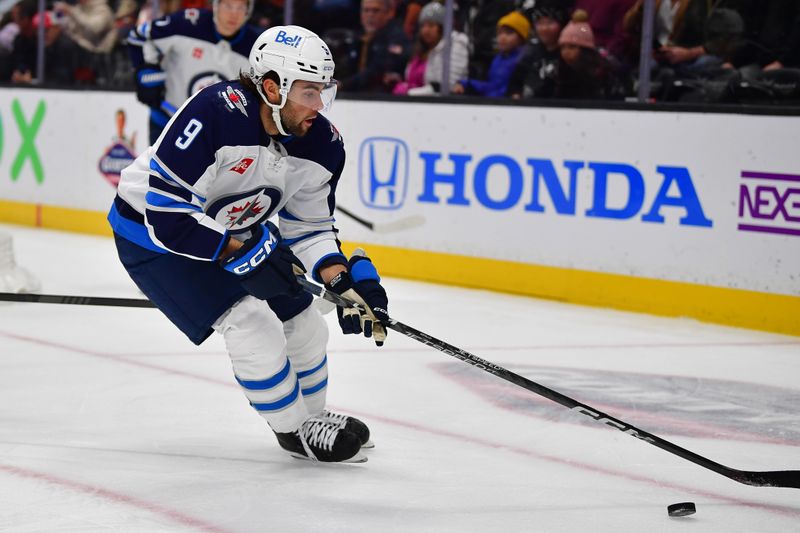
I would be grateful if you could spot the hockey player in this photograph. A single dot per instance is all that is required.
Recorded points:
(179, 54)
(190, 225)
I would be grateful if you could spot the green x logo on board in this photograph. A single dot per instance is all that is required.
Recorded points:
(27, 149)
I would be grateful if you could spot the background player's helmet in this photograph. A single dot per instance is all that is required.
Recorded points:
(293, 53)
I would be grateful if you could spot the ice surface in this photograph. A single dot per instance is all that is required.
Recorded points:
(111, 421)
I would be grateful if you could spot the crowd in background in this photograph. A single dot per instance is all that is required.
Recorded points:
(736, 51)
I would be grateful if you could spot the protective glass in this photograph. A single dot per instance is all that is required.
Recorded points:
(313, 95)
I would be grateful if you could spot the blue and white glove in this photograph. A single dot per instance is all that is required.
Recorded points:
(362, 284)
(150, 85)
(265, 266)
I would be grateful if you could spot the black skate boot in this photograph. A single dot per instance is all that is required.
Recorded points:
(351, 424)
(318, 440)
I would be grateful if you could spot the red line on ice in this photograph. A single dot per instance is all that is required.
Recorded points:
(777, 509)
(116, 497)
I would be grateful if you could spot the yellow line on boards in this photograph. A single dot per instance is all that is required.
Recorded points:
(54, 217)
(733, 307)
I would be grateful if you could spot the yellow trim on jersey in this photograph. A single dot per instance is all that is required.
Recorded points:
(735, 307)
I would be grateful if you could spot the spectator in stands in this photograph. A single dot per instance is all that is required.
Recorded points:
(21, 62)
(606, 19)
(582, 72)
(772, 36)
(90, 24)
(688, 19)
(413, 8)
(424, 71)
(549, 18)
(513, 31)
(482, 34)
(9, 30)
(58, 53)
(384, 50)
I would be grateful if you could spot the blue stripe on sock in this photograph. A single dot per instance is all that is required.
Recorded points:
(280, 404)
(316, 388)
(315, 369)
(268, 383)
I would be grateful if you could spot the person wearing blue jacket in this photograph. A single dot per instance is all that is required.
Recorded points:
(512, 33)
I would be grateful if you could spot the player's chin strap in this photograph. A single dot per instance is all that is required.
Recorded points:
(276, 109)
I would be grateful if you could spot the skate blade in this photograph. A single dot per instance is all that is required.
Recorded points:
(357, 458)
(368, 445)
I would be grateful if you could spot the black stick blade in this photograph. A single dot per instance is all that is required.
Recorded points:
(74, 300)
(789, 479)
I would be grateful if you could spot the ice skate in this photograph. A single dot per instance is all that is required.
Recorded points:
(318, 440)
(351, 424)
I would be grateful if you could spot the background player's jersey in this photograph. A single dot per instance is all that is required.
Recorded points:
(215, 171)
(190, 51)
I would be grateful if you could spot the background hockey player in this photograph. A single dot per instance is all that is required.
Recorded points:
(190, 224)
(179, 54)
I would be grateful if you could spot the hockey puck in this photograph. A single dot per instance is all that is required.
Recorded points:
(681, 509)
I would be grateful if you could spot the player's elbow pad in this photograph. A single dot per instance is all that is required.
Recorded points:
(150, 81)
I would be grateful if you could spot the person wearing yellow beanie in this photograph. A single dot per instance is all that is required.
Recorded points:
(513, 31)
(517, 22)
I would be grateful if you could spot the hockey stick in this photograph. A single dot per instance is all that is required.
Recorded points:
(385, 227)
(778, 478)
(74, 300)
(775, 478)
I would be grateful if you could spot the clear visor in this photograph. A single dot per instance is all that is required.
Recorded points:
(315, 96)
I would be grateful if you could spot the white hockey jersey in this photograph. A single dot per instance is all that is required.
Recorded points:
(215, 171)
(190, 51)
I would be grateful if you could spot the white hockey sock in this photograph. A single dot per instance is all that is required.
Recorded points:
(255, 341)
(306, 345)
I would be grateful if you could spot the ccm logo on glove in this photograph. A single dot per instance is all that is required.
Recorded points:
(256, 256)
(266, 266)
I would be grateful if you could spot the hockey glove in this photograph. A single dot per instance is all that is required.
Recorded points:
(362, 285)
(150, 81)
(265, 265)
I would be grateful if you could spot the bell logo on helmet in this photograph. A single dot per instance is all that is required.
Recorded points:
(290, 40)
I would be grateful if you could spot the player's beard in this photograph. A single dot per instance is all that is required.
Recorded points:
(293, 122)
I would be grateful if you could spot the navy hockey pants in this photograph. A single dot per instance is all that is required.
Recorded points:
(193, 294)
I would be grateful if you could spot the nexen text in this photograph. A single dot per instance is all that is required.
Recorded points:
(769, 203)
(290, 40)
(676, 188)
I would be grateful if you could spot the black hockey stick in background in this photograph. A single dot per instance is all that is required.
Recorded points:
(400, 224)
(778, 478)
(775, 478)
(74, 300)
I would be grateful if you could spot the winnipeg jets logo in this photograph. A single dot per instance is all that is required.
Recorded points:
(242, 166)
(239, 215)
(240, 211)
